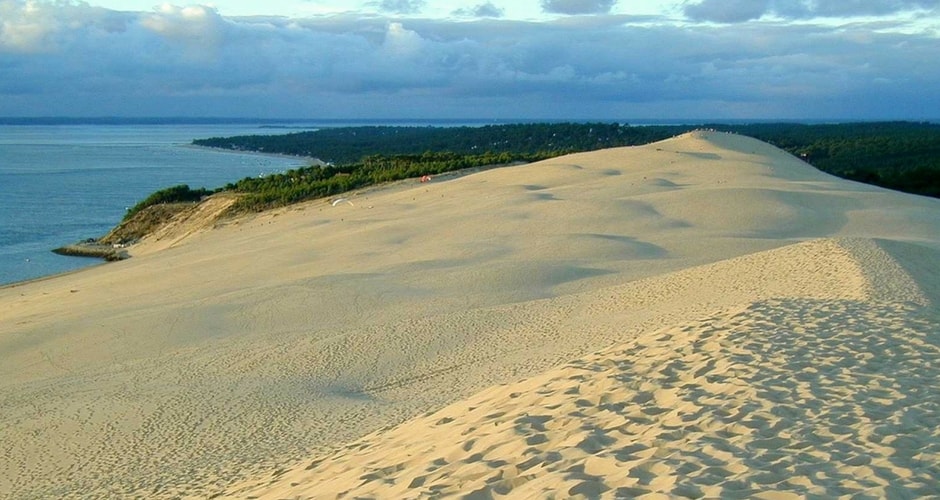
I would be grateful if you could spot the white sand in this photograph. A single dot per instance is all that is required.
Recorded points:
(705, 316)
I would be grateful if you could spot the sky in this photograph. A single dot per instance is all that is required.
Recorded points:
(461, 59)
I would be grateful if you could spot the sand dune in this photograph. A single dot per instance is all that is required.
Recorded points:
(704, 316)
(829, 391)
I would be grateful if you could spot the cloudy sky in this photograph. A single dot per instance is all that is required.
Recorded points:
(490, 59)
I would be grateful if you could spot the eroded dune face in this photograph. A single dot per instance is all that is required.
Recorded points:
(705, 315)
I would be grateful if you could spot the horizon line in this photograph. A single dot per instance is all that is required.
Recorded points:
(209, 120)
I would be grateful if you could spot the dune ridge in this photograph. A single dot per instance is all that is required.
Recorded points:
(684, 283)
(827, 390)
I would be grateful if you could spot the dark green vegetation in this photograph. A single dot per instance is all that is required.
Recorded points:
(897, 155)
(259, 193)
(345, 145)
(175, 194)
(364, 156)
(904, 156)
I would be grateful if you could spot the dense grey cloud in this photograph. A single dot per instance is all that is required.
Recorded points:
(727, 11)
(733, 11)
(401, 6)
(575, 7)
(193, 61)
(482, 10)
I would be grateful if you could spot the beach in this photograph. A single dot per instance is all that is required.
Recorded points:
(705, 316)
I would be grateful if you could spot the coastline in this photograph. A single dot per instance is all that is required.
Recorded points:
(93, 249)
(52, 276)
(311, 159)
(74, 182)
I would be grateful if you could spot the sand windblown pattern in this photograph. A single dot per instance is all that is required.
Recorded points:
(784, 397)
(704, 317)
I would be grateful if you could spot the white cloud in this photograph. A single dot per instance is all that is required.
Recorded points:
(402, 42)
(192, 60)
(183, 22)
(40, 26)
(199, 29)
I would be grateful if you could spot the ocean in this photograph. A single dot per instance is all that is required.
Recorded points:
(62, 183)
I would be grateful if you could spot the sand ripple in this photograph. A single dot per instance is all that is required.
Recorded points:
(781, 398)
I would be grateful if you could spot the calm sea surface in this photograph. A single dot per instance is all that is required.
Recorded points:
(63, 183)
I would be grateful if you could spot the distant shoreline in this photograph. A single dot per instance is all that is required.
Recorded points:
(311, 159)
(115, 120)
(297, 123)
(278, 122)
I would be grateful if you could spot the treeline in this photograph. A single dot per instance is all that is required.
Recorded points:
(357, 157)
(175, 194)
(260, 193)
(898, 155)
(904, 156)
(350, 144)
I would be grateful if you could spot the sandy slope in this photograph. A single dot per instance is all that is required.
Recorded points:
(701, 316)
(829, 389)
